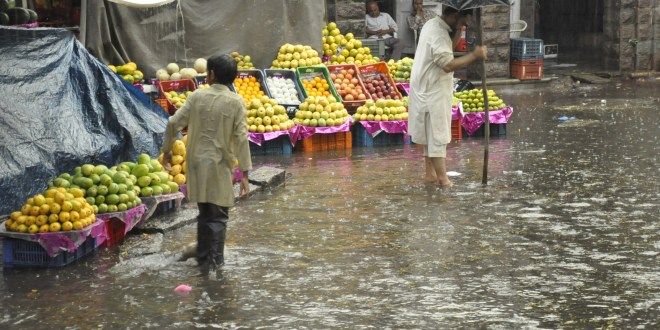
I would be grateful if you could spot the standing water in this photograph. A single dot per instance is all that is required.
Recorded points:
(566, 234)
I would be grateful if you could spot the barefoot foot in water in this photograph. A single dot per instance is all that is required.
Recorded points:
(444, 182)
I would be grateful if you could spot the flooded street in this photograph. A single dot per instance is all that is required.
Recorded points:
(566, 235)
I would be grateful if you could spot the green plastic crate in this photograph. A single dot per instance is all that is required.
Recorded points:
(312, 71)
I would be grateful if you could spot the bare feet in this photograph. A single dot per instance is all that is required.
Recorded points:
(430, 179)
(444, 182)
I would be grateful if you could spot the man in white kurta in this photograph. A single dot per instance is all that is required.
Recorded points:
(431, 90)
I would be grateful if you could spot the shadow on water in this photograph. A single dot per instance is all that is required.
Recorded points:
(565, 235)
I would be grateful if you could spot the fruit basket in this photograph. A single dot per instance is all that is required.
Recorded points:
(284, 74)
(178, 86)
(320, 74)
(348, 84)
(378, 81)
(250, 76)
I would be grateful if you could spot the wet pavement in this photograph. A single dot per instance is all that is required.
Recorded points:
(566, 235)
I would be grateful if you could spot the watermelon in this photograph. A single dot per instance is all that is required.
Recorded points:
(4, 19)
(18, 16)
(33, 15)
(7, 4)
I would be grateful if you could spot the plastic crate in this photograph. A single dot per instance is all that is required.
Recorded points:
(496, 130)
(362, 138)
(165, 207)
(367, 72)
(456, 130)
(285, 73)
(334, 69)
(316, 71)
(526, 49)
(256, 74)
(324, 142)
(25, 254)
(163, 104)
(116, 230)
(178, 86)
(527, 69)
(279, 146)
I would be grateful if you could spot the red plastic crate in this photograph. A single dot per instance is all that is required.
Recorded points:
(323, 142)
(334, 69)
(527, 69)
(178, 86)
(456, 130)
(380, 67)
(115, 229)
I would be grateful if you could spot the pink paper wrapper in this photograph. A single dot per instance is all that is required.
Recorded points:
(391, 127)
(260, 138)
(55, 243)
(129, 217)
(457, 111)
(307, 131)
(472, 121)
(152, 202)
(405, 87)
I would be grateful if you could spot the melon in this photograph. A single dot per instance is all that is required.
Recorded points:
(33, 16)
(162, 75)
(175, 76)
(200, 65)
(18, 16)
(7, 4)
(4, 19)
(172, 68)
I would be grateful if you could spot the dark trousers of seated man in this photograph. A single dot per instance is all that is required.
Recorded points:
(211, 231)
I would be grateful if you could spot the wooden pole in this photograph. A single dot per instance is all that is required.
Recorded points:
(484, 177)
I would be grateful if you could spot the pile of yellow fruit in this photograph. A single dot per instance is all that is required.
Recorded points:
(265, 115)
(243, 61)
(316, 86)
(249, 88)
(178, 166)
(382, 110)
(202, 86)
(295, 56)
(128, 72)
(344, 49)
(177, 99)
(58, 209)
(321, 111)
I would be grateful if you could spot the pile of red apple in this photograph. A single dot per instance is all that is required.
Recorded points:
(379, 87)
(347, 85)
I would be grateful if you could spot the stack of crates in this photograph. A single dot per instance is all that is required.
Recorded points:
(526, 58)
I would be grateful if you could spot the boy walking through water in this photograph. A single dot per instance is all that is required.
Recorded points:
(217, 129)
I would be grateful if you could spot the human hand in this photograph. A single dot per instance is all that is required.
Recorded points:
(167, 160)
(481, 52)
(245, 187)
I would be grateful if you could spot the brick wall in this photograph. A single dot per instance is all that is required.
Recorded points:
(496, 38)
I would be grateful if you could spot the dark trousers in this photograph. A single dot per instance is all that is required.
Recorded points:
(211, 230)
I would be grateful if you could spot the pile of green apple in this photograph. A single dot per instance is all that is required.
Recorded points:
(151, 177)
(473, 100)
(381, 110)
(321, 111)
(400, 70)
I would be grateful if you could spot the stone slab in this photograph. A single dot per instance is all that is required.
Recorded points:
(589, 78)
(267, 177)
(187, 214)
(137, 245)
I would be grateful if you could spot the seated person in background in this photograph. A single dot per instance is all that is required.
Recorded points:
(419, 16)
(381, 25)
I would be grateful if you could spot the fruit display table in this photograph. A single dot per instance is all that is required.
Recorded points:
(118, 224)
(472, 121)
(160, 204)
(41, 249)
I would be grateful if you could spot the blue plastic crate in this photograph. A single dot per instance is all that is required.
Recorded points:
(25, 254)
(526, 49)
(165, 207)
(496, 130)
(280, 146)
(361, 138)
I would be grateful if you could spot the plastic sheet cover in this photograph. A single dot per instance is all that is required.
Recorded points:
(60, 108)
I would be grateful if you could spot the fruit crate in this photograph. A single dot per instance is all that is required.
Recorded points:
(324, 142)
(163, 103)
(526, 49)
(116, 230)
(279, 146)
(496, 130)
(527, 69)
(165, 207)
(26, 254)
(333, 69)
(285, 73)
(316, 71)
(362, 138)
(178, 86)
(366, 71)
(244, 73)
(456, 130)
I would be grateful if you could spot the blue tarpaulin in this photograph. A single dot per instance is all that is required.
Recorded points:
(60, 108)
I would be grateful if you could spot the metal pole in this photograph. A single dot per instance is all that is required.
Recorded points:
(484, 178)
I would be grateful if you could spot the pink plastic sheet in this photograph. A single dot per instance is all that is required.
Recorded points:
(472, 121)
(307, 131)
(391, 127)
(55, 243)
(184, 190)
(152, 202)
(129, 217)
(260, 138)
(457, 111)
(405, 87)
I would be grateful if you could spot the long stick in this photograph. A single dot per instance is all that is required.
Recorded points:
(484, 178)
